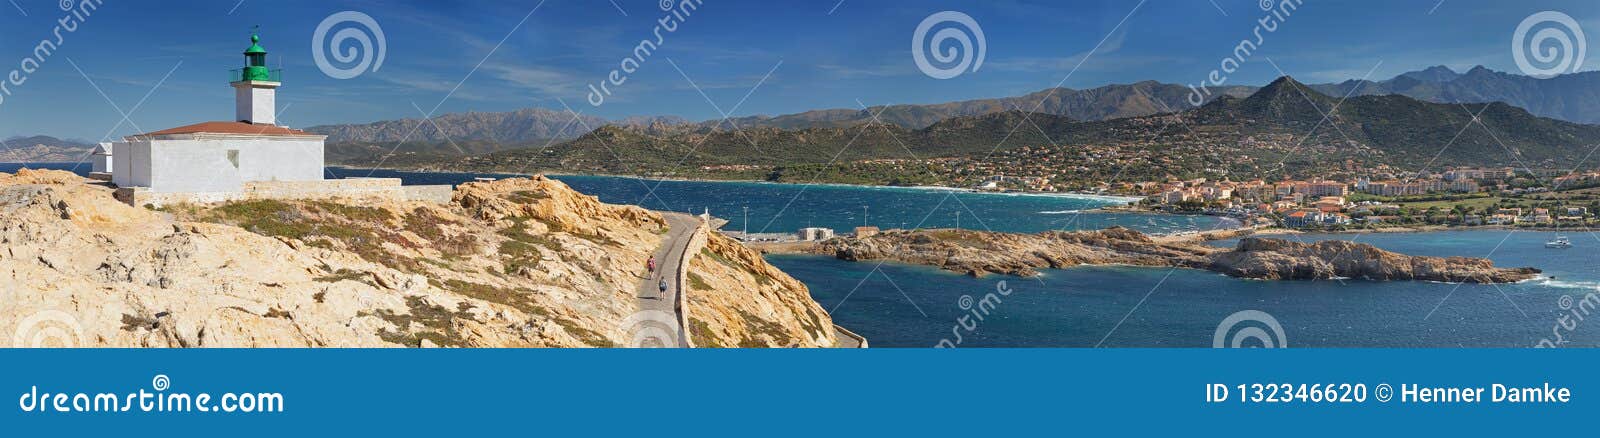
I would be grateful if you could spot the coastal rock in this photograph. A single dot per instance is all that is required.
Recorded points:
(758, 306)
(523, 262)
(1282, 259)
(977, 253)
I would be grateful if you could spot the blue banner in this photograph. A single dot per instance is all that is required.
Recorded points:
(999, 392)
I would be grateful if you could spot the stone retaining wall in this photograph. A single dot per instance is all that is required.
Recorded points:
(697, 242)
(861, 341)
(375, 189)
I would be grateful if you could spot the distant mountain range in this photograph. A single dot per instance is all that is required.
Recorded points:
(1572, 97)
(43, 149)
(537, 126)
(1388, 129)
(1409, 131)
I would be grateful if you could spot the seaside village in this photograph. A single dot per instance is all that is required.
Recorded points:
(249, 157)
(1367, 201)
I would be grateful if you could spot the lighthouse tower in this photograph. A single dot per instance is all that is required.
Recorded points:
(255, 87)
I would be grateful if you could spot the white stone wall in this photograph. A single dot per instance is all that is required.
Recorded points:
(279, 159)
(130, 163)
(215, 163)
(192, 166)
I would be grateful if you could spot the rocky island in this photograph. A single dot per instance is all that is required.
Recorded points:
(977, 253)
(523, 262)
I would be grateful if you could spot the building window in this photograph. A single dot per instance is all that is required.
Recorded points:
(233, 157)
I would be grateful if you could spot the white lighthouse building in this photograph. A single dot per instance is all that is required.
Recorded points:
(222, 157)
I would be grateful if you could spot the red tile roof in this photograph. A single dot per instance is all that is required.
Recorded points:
(239, 128)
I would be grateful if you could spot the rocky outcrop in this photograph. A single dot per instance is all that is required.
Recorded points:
(978, 253)
(1277, 259)
(513, 263)
(736, 299)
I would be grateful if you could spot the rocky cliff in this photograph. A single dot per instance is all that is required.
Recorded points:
(977, 253)
(511, 263)
(737, 299)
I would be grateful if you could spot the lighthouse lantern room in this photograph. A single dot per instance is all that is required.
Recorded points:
(255, 86)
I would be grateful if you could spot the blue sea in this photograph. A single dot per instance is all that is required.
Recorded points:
(914, 306)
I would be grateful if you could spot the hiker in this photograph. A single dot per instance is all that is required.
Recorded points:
(663, 287)
(651, 265)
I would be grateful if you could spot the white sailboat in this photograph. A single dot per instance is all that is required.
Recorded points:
(1559, 241)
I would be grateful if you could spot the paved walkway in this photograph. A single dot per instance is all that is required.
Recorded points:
(668, 257)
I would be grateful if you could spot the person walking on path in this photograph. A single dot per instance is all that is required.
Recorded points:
(651, 265)
(663, 286)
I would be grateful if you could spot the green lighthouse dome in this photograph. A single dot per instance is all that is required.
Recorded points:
(255, 46)
(255, 66)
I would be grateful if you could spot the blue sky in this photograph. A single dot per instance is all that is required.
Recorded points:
(820, 54)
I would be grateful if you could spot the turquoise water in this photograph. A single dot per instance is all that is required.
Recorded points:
(913, 306)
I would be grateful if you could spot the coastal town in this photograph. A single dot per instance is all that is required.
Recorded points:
(1460, 196)
(1350, 194)
(1253, 178)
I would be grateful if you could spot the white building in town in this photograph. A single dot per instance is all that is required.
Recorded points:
(221, 156)
(811, 234)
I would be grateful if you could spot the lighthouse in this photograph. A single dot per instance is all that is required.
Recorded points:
(255, 87)
(220, 160)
